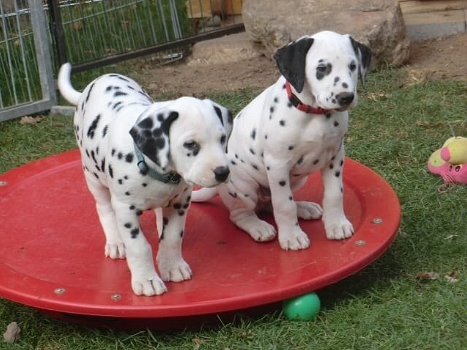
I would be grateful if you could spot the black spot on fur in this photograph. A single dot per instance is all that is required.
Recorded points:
(291, 148)
(345, 85)
(336, 123)
(331, 166)
(316, 161)
(134, 233)
(111, 171)
(337, 174)
(282, 123)
(282, 183)
(181, 212)
(92, 128)
(104, 131)
(177, 206)
(127, 193)
(252, 151)
(129, 157)
(89, 92)
(234, 195)
(253, 134)
(127, 225)
(233, 162)
(139, 212)
(219, 114)
(300, 160)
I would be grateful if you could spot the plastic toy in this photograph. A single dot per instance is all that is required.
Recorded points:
(52, 257)
(303, 308)
(450, 161)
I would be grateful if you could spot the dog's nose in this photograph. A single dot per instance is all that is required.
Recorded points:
(221, 173)
(345, 98)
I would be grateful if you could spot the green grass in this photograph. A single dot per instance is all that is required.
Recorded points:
(393, 130)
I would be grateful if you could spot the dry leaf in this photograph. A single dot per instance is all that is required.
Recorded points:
(30, 120)
(452, 277)
(427, 276)
(198, 342)
(12, 333)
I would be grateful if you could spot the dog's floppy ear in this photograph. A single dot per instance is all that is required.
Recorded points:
(363, 54)
(291, 60)
(225, 117)
(151, 135)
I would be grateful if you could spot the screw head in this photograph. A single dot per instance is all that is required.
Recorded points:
(360, 243)
(60, 291)
(116, 297)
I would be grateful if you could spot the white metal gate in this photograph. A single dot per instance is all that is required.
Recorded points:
(25, 59)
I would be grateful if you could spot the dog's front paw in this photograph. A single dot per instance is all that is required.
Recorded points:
(148, 286)
(338, 228)
(308, 210)
(175, 270)
(115, 250)
(294, 240)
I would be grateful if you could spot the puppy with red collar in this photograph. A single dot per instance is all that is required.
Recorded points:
(291, 130)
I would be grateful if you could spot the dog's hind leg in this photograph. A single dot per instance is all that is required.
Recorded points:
(306, 210)
(114, 247)
(242, 213)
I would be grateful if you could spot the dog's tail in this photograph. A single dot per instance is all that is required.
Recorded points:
(64, 85)
(203, 194)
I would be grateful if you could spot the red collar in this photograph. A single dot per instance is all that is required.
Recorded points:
(295, 101)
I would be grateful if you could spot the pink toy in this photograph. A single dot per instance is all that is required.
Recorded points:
(450, 162)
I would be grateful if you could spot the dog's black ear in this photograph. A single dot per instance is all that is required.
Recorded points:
(151, 135)
(291, 60)
(225, 117)
(363, 54)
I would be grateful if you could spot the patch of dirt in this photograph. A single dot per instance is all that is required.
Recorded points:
(201, 80)
(429, 60)
(444, 58)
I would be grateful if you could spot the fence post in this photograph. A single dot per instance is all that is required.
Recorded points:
(41, 44)
(58, 34)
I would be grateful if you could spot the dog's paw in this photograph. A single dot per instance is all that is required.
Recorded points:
(148, 286)
(308, 210)
(175, 271)
(338, 229)
(294, 240)
(115, 250)
(258, 229)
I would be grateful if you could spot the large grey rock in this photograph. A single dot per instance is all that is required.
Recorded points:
(376, 23)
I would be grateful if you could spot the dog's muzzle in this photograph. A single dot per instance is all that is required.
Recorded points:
(344, 99)
(221, 173)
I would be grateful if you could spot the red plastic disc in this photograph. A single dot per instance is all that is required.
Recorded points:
(52, 248)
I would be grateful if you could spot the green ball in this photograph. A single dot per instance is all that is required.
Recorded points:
(303, 308)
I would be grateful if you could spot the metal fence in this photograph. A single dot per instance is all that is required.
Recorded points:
(26, 78)
(37, 36)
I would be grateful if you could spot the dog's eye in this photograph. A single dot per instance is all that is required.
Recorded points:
(191, 145)
(352, 66)
(322, 68)
(223, 138)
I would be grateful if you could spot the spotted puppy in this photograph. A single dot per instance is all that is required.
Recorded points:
(294, 128)
(139, 155)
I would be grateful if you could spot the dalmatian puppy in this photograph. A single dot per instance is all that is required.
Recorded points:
(292, 129)
(139, 155)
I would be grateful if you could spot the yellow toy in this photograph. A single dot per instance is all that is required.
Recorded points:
(450, 161)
